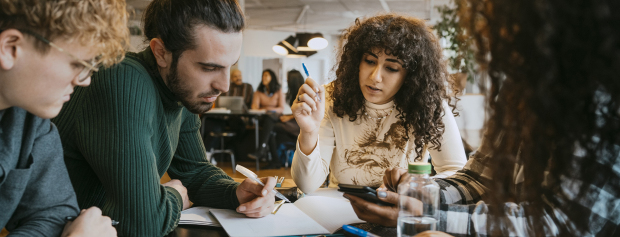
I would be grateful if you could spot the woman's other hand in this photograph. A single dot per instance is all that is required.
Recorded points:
(373, 213)
(393, 177)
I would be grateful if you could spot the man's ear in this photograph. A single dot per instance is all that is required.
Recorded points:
(11, 42)
(162, 56)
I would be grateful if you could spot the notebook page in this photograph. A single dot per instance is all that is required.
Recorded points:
(330, 212)
(289, 220)
(198, 216)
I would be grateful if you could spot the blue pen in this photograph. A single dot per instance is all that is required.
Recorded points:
(358, 231)
(308, 75)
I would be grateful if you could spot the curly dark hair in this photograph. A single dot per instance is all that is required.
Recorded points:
(425, 87)
(274, 85)
(554, 98)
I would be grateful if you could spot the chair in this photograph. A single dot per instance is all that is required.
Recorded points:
(222, 135)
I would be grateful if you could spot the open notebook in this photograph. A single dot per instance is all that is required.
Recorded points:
(198, 216)
(308, 215)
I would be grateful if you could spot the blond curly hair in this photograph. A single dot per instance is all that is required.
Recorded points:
(100, 24)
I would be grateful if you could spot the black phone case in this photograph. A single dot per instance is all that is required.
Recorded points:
(364, 192)
(355, 188)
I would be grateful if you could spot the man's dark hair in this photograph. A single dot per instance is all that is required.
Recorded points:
(173, 21)
(274, 85)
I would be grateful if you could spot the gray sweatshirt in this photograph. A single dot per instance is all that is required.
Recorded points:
(35, 192)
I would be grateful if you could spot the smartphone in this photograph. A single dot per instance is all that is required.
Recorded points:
(364, 192)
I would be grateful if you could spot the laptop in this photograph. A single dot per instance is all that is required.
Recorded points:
(234, 103)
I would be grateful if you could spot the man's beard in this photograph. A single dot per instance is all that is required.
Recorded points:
(184, 93)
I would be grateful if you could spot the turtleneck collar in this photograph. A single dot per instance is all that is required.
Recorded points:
(377, 106)
(148, 60)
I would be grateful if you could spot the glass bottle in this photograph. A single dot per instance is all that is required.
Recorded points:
(419, 201)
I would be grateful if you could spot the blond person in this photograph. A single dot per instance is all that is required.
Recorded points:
(47, 48)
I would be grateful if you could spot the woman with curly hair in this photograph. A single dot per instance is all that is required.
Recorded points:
(388, 106)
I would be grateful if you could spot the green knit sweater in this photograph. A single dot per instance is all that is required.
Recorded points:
(121, 134)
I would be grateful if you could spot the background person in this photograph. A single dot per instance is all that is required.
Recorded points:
(239, 88)
(286, 130)
(236, 124)
(269, 97)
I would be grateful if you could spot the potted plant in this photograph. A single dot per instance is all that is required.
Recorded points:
(459, 47)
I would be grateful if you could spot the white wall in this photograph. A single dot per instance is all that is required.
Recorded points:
(471, 118)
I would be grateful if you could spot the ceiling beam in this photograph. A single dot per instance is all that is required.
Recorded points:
(385, 5)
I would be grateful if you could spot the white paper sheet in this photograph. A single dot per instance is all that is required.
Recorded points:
(329, 212)
(288, 221)
(328, 192)
(198, 216)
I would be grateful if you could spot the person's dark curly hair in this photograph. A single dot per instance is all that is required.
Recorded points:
(274, 85)
(419, 100)
(554, 69)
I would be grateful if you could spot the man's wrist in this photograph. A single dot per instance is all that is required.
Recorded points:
(236, 202)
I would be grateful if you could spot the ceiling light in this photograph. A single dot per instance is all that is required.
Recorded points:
(303, 41)
(279, 49)
(317, 43)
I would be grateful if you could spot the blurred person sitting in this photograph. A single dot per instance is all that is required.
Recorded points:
(239, 88)
(234, 123)
(268, 97)
(286, 130)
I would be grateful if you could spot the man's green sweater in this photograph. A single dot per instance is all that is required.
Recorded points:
(121, 134)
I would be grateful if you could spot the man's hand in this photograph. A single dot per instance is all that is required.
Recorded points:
(256, 200)
(90, 222)
(176, 184)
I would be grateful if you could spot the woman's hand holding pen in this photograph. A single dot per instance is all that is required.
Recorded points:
(309, 109)
(90, 222)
